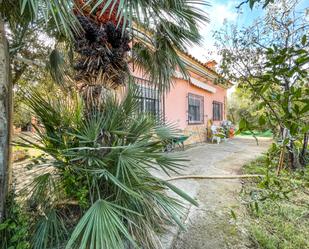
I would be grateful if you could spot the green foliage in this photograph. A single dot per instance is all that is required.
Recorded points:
(277, 207)
(266, 133)
(269, 61)
(52, 13)
(104, 158)
(49, 231)
(252, 3)
(76, 186)
(14, 231)
(281, 226)
(274, 186)
(101, 227)
(101, 166)
(22, 116)
(59, 14)
(265, 2)
(248, 114)
(162, 28)
(41, 82)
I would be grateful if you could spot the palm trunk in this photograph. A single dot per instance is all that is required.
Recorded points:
(5, 120)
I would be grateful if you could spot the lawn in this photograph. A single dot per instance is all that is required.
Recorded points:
(266, 133)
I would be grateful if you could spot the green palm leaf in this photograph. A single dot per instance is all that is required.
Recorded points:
(104, 160)
(50, 232)
(102, 226)
(161, 28)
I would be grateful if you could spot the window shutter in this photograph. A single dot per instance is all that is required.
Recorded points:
(187, 109)
(221, 113)
(202, 109)
(213, 110)
(217, 110)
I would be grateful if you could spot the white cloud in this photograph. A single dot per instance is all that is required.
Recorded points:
(218, 13)
(221, 12)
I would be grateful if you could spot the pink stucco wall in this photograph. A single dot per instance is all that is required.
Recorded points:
(176, 102)
(138, 72)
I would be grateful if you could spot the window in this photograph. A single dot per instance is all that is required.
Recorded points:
(217, 110)
(149, 101)
(195, 109)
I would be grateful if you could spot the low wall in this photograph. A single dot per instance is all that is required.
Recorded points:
(196, 133)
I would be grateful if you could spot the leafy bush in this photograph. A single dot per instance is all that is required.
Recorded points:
(14, 229)
(277, 206)
(99, 189)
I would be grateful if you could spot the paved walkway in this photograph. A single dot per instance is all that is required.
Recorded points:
(210, 225)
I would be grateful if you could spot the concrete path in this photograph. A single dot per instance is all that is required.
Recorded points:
(210, 226)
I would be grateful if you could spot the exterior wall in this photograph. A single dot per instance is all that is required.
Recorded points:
(176, 107)
(137, 72)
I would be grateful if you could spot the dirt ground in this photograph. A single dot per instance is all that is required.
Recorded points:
(211, 226)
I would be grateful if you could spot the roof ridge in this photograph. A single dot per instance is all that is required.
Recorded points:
(199, 61)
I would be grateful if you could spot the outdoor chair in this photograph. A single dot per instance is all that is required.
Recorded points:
(216, 134)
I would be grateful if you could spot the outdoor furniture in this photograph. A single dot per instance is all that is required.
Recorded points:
(216, 134)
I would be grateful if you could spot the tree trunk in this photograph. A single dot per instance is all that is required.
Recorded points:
(303, 153)
(292, 157)
(290, 146)
(5, 120)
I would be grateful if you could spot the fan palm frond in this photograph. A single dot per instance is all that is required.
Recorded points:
(173, 25)
(105, 161)
(59, 13)
(50, 231)
(160, 62)
(101, 227)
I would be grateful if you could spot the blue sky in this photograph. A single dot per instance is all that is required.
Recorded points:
(221, 11)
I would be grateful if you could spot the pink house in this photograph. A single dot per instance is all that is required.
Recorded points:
(191, 103)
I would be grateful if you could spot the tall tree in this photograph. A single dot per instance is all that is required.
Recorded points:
(270, 60)
(5, 118)
(172, 25)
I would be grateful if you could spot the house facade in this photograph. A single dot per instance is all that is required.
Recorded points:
(192, 103)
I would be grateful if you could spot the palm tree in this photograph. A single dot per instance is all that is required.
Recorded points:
(99, 190)
(102, 156)
(160, 28)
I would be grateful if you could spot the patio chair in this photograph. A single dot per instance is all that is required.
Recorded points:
(216, 134)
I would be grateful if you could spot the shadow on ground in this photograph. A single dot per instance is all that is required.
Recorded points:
(211, 224)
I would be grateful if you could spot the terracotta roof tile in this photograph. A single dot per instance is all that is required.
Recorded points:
(199, 62)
